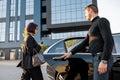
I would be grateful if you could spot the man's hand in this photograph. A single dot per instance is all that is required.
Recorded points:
(102, 68)
(67, 55)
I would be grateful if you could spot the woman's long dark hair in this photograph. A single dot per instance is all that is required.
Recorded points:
(31, 27)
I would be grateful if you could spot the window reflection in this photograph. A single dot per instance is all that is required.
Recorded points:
(12, 31)
(59, 48)
(12, 8)
(71, 10)
(19, 1)
(2, 31)
(29, 7)
(68, 34)
(18, 30)
(2, 8)
(28, 21)
(117, 43)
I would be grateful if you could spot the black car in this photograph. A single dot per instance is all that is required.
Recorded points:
(58, 68)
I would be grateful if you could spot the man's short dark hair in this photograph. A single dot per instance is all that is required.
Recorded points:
(93, 7)
(31, 27)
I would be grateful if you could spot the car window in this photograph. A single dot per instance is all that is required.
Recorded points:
(116, 43)
(58, 48)
(70, 44)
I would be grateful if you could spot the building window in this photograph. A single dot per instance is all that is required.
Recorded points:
(69, 34)
(12, 31)
(28, 21)
(3, 8)
(29, 7)
(2, 31)
(18, 30)
(12, 8)
(19, 2)
(67, 11)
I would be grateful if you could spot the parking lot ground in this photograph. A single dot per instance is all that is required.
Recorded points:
(9, 71)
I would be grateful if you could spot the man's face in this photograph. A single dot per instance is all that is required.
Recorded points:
(88, 14)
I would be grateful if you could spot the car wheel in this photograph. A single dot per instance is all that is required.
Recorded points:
(61, 76)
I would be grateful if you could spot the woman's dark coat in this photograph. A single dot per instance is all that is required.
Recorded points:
(28, 51)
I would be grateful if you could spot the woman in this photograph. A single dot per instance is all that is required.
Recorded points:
(30, 43)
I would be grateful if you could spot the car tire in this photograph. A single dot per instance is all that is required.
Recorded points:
(61, 76)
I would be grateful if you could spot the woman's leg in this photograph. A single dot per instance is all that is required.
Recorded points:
(36, 73)
(25, 75)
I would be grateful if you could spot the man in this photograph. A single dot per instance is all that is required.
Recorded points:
(100, 42)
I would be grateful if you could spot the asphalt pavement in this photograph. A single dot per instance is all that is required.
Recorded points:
(9, 71)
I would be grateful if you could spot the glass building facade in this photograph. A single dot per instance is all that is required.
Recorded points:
(3, 8)
(56, 19)
(14, 13)
(2, 20)
(68, 34)
(67, 11)
(29, 7)
(14, 16)
(29, 11)
(2, 31)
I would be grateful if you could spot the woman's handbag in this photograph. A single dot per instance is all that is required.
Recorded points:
(38, 58)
